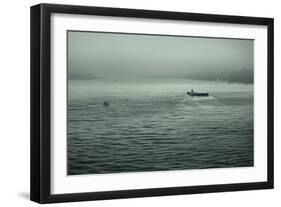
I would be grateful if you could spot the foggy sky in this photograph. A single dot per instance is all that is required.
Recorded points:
(113, 56)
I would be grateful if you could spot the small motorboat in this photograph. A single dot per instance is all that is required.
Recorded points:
(192, 93)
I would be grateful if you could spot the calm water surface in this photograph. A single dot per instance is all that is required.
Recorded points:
(153, 125)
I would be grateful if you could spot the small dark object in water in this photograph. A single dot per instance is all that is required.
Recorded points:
(105, 103)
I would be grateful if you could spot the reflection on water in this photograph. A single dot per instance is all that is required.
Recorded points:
(154, 125)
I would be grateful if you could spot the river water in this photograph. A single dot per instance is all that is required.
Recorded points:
(153, 125)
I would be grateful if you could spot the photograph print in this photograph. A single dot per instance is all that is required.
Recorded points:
(149, 102)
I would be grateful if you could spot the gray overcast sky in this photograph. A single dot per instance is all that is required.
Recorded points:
(113, 55)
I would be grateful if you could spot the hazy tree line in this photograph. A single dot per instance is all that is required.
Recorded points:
(242, 76)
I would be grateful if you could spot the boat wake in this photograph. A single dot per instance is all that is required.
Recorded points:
(202, 101)
(200, 98)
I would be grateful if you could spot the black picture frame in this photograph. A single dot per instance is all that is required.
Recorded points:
(40, 184)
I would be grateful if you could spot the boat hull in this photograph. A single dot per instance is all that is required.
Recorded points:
(197, 94)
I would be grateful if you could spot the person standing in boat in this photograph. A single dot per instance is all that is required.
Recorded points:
(192, 91)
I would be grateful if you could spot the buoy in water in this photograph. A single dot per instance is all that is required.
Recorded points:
(105, 103)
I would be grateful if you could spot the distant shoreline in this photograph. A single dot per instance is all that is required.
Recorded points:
(225, 81)
(157, 79)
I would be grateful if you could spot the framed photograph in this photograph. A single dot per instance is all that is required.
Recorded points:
(133, 103)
